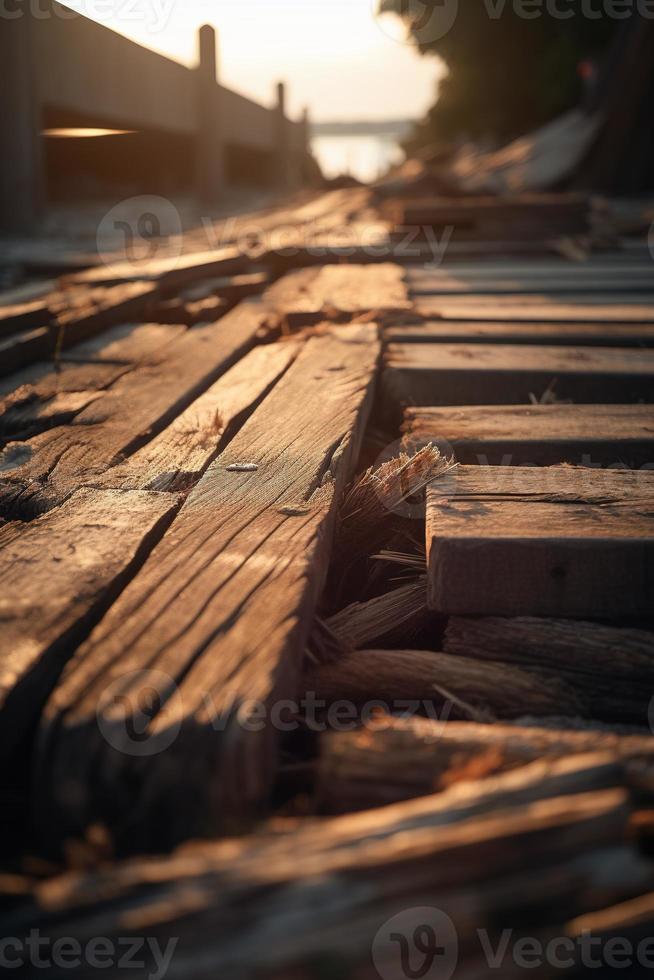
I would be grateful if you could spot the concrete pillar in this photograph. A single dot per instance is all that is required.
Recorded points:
(282, 156)
(22, 177)
(210, 163)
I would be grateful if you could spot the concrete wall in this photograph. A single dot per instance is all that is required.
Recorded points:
(67, 64)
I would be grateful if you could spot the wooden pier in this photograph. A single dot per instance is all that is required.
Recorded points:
(415, 498)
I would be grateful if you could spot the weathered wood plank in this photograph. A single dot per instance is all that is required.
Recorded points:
(394, 759)
(18, 350)
(58, 574)
(218, 616)
(480, 855)
(612, 668)
(439, 683)
(74, 316)
(525, 216)
(230, 288)
(39, 472)
(42, 396)
(548, 334)
(597, 267)
(451, 284)
(580, 308)
(542, 541)
(585, 435)
(494, 374)
(177, 457)
(171, 271)
(339, 292)
(21, 317)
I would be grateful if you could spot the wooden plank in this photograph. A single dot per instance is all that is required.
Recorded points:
(58, 574)
(231, 288)
(339, 292)
(453, 285)
(18, 350)
(394, 759)
(171, 271)
(177, 457)
(586, 435)
(580, 308)
(606, 658)
(481, 854)
(221, 611)
(40, 472)
(22, 317)
(547, 541)
(548, 334)
(41, 396)
(613, 265)
(606, 676)
(74, 316)
(494, 374)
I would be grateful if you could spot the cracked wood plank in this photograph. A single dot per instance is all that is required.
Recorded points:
(587, 435)
(42, 395)
(547, 334)
(40, 472)
(339, 292)
(394, 759)
(483, 853)
(494, 374)
(74, 316)
(58, 574)
(556, 541)
(177, 457)
(217, 619)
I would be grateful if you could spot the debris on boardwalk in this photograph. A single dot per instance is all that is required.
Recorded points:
(331, 599)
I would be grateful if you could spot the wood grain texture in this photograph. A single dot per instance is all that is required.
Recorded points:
(57, 575)
(42, 395)
(176, 458)
(393, 759)
(549, 541)
(217, 617)
(439, 682)
(38, 473)
(493, 374)
(329, 886)
(339, 292)
(606, 435)
(541, 334)
(612, 668)
(74, 315)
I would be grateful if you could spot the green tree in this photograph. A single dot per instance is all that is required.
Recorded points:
(507, 72)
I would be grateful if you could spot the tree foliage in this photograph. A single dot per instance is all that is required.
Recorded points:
(507, 72)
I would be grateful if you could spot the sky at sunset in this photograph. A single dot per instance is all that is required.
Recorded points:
(336, 55)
